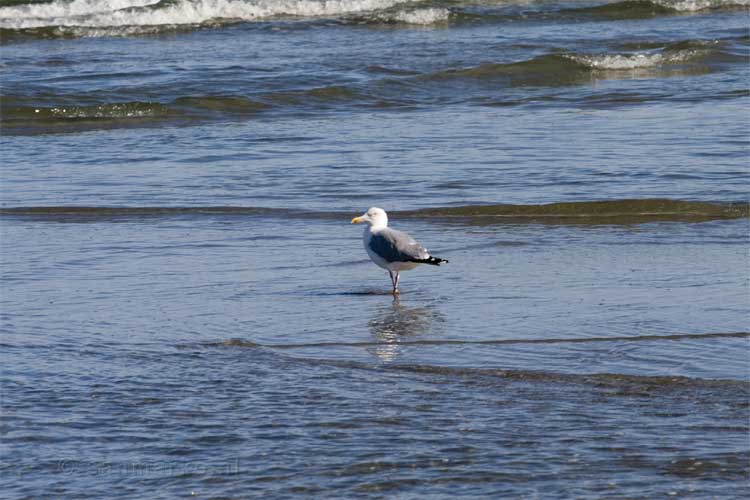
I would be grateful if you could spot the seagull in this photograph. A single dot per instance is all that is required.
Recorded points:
(391, 249)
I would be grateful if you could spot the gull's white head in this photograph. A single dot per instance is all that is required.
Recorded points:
(374, 216)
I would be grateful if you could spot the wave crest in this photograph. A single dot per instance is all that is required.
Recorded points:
(98, 111)
(636, 60)
(113, 13)
(698, 5)
(138, 17)
(423, 17)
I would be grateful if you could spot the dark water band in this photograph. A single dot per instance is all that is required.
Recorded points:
(631, 211)
(581, 340)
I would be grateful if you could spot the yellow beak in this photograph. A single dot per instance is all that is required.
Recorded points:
(357, 220)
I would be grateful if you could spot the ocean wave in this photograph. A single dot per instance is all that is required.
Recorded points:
(560, 69)
(16, 109)
(68, 8)
(24, 114)
(642, 384)
(98, 111)
(424, 16)
(698, 5)
(634, 9)
(93, 18)
(636, 60)
(113, 13)
(488, 342)
(633, 211)
(54, 32)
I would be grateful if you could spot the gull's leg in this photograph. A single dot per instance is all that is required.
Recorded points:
(395, 283)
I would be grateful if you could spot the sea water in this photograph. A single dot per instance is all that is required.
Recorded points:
(186, 310)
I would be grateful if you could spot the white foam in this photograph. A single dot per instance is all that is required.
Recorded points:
(113, 13)
(116, 31)
(696, 5)
(70, 8)
(634, 61)
(125, 110)
(423, 17)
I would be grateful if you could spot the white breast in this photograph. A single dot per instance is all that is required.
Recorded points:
(377, 259)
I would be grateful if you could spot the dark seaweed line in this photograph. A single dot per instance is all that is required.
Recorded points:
(640, 338)
(606, 212)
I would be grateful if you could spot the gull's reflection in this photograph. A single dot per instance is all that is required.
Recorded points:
(394, 323)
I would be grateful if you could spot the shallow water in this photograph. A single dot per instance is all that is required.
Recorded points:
(186, 310)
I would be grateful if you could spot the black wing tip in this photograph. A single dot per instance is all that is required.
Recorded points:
(434, 261)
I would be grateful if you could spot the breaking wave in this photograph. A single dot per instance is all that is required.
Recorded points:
(97, 14)
(698, 5)
(629, 9)
(92, 18)
(575, 68)
(420, 16)
(637, 60)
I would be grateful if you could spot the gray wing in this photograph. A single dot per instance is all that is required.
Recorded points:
(395, 246)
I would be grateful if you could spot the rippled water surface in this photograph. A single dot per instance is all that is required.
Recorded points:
(187, 312)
